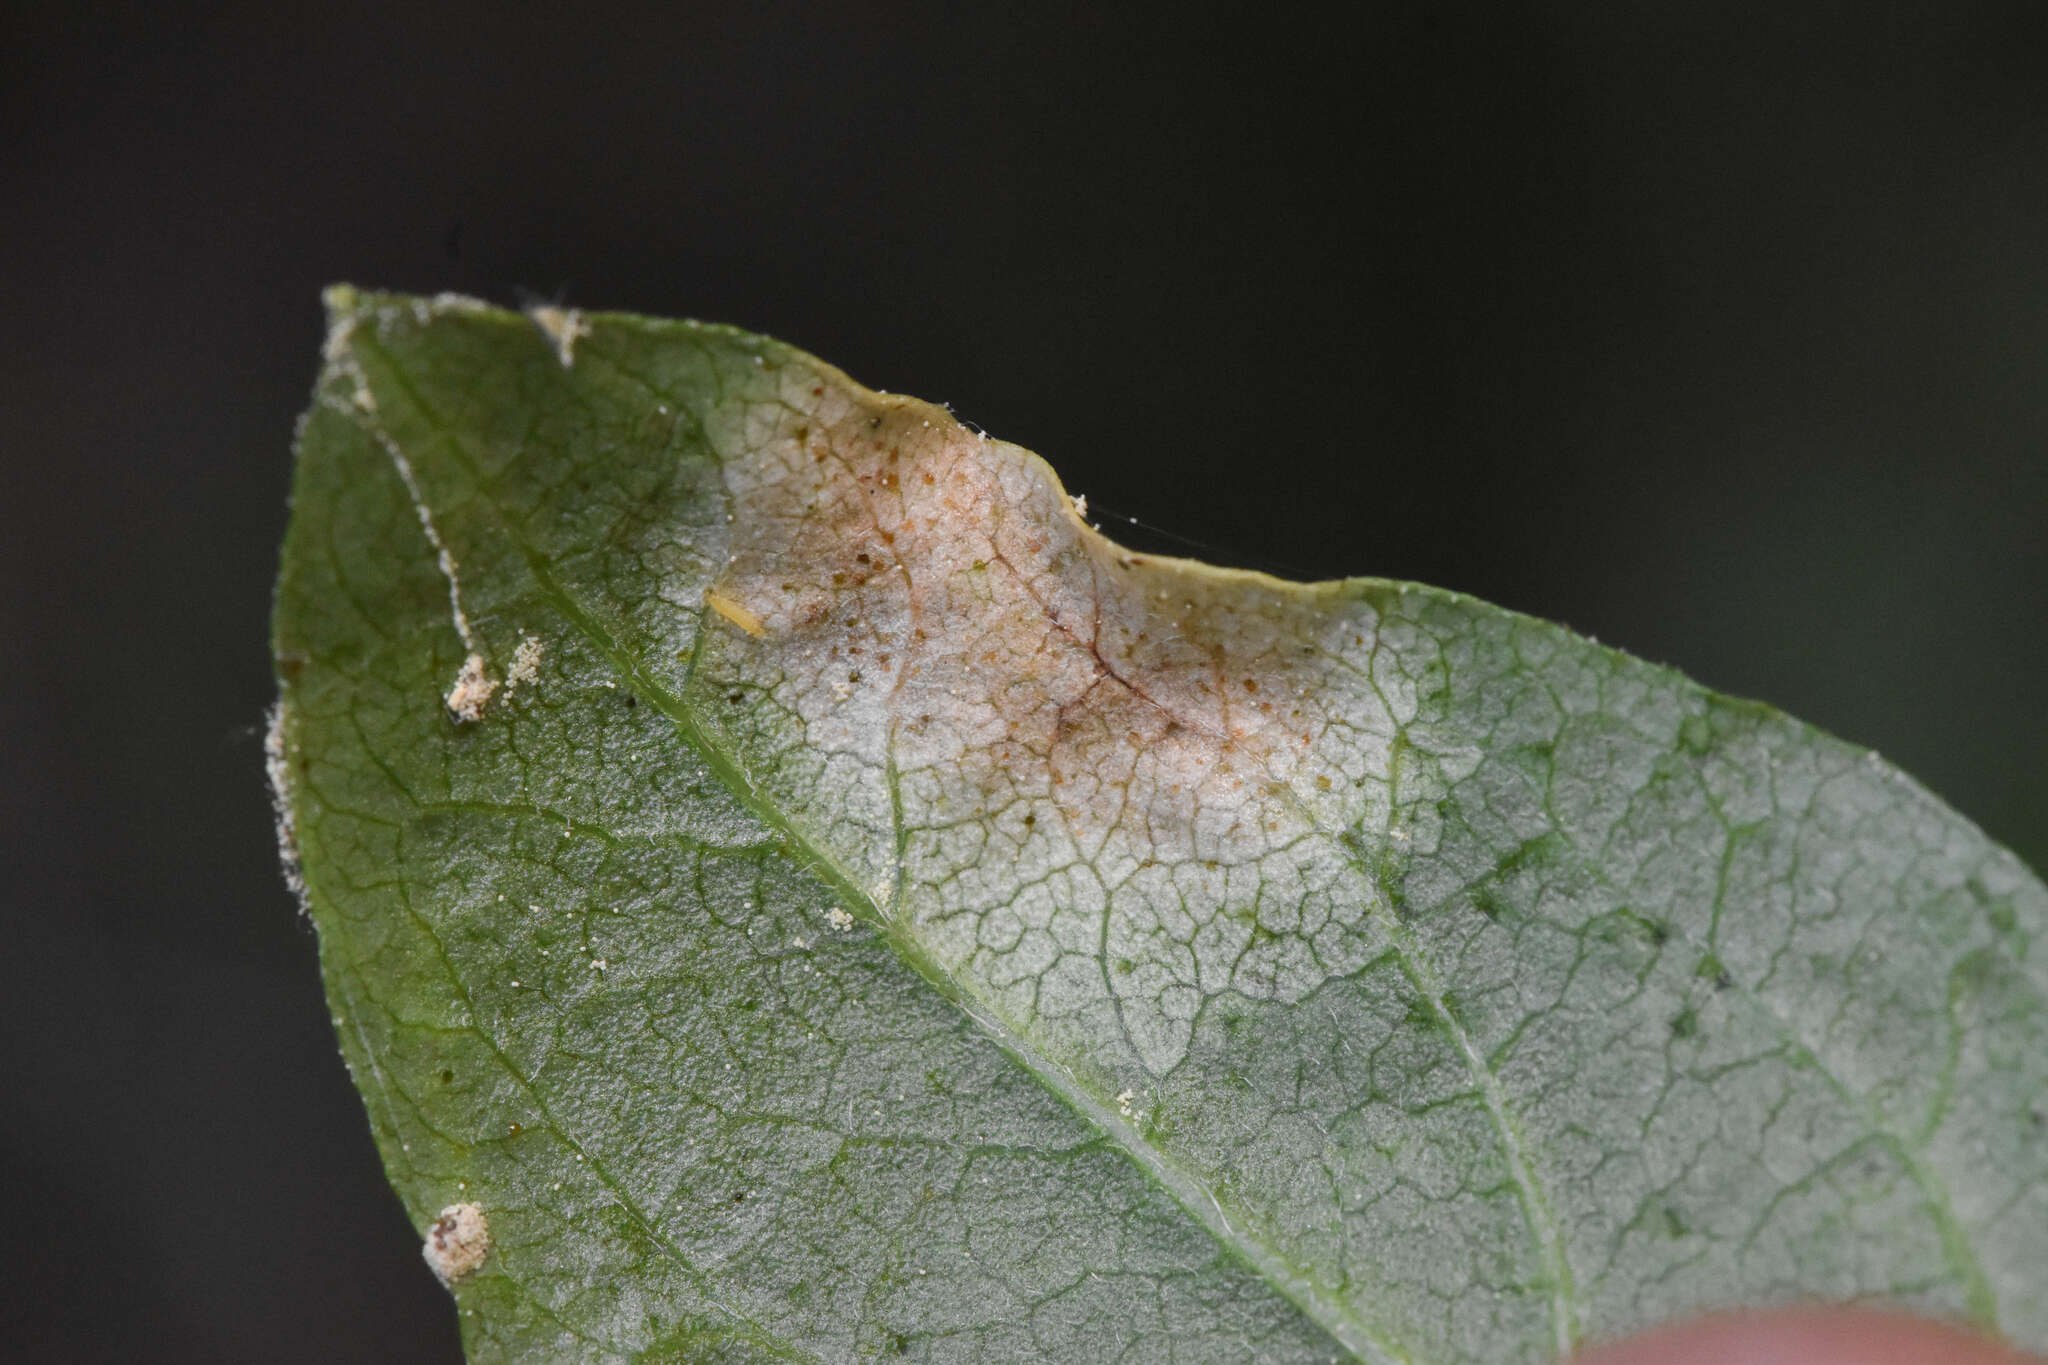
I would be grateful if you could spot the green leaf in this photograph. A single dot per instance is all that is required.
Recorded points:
(810, 897)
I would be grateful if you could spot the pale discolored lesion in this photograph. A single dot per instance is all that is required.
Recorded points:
(1099, 787)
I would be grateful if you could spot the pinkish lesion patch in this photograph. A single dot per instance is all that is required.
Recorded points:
(990, 697)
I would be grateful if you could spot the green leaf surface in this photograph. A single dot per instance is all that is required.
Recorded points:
(817, 899)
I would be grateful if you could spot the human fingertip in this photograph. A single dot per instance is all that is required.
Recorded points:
(1807, 1336)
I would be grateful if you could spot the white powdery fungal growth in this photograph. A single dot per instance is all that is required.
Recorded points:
(275, 766)
(472, 691)
(525, 664)
(563, 327)
(457, 1242)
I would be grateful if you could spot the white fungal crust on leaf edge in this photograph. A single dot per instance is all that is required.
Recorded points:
(457, 1243)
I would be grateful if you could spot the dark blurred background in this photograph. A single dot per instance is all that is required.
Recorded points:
(1717, 333)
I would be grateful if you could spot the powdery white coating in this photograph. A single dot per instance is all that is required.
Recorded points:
(457, 1243)
(345, 316)
(525, 664)
(276, 767)
(564, 326)
(472, 690)
(1039, 749)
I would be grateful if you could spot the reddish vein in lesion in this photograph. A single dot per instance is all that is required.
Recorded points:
(1092, 642)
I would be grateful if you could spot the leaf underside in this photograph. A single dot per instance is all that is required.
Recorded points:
(820, 900)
